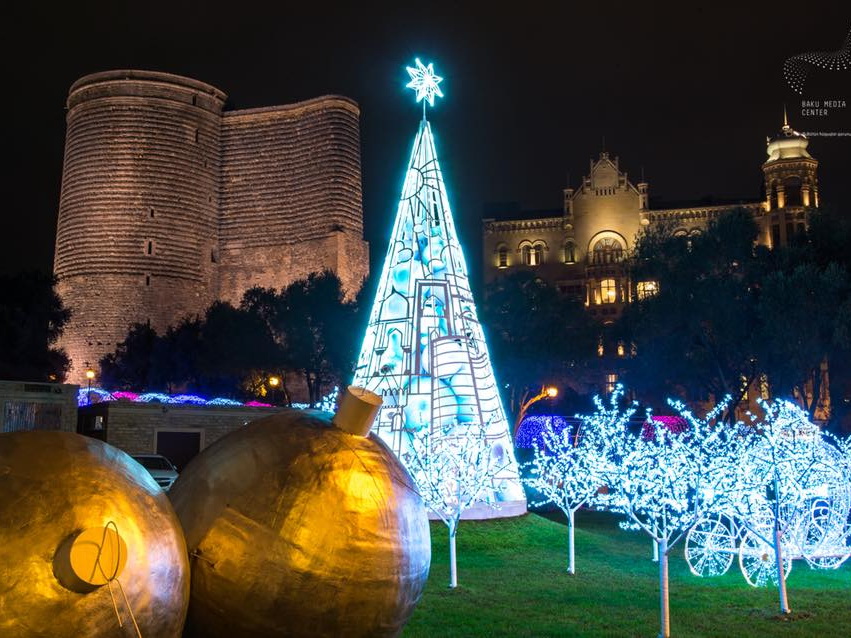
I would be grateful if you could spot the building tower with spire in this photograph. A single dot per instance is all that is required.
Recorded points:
(791, 184)
(424, 350)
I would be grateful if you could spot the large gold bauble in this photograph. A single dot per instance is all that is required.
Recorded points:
(80, 521)
(297, 528)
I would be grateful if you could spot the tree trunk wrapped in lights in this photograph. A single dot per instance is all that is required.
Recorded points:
(568, 467)
(454, 469)
(664, 483)
(791, 494)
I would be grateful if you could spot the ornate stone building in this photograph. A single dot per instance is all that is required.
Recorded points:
(581, 248)
(170, 202)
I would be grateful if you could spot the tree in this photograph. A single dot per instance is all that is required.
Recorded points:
(32, 318)
(803, 315)
(234, 343)
(129, 367)
(568, 467)
(454, 469)
(176, 356)
(536, 335)
(696, 336)
(214, 355)
(790, 492)
(664, 483)
(313, 321)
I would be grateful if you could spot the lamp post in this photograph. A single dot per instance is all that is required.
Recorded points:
(274, 382)
(90, 374)
(547, 392)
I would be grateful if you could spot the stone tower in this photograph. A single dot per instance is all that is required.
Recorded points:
(791, 185)
(168, 203)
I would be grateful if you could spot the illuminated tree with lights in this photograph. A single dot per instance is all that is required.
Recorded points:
(454, 469)
(569, 467)
(791, 494)
(664, 483)
(424, 349)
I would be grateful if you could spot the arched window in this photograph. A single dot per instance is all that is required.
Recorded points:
(792, 191)
(533, 255)
(537, 255)
(502, 257)
(570, 253)
(607, 250)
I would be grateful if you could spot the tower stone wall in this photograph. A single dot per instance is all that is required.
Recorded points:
(291, 180)
(168, 203)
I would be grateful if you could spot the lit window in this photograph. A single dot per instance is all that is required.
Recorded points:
(600, 351)
(608, 291)
(645, 289)
(611, 382)
(502, 257)
(621, 350)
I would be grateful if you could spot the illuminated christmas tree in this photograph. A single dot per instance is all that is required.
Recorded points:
(424, 351)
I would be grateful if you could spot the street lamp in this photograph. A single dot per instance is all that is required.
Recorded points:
(274, 382)
(547, 392)
(90, 374)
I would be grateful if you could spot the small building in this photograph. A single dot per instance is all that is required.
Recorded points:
(177, 431)
(29, 405)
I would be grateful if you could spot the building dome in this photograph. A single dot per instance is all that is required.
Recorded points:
(787, 144)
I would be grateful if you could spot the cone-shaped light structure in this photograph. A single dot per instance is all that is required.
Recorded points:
(424, 351)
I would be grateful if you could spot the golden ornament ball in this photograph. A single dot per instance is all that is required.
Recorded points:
(89, 543)
(296, 527)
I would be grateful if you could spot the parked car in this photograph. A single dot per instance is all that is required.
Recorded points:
(159, 467)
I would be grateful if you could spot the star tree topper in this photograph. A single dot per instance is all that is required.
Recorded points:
(424, 82)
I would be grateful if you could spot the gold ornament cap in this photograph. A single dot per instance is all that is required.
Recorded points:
(357, 411)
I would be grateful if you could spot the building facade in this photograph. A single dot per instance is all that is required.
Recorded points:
(170, 202)
(581, 249)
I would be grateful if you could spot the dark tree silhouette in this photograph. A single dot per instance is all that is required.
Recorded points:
(697, 335)
(536, 336)
(130, 366)
(32, 318)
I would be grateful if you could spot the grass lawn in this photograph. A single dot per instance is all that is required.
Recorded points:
(512, 581)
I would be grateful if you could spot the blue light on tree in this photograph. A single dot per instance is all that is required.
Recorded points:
(424, 350)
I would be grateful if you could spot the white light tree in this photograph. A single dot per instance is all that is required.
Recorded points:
(790, 493)
(455, 468)
(568, 467)
(665, 483)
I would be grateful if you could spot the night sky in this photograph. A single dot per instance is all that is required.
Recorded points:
(688, 93)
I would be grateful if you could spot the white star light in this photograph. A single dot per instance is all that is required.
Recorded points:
(424, 82)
